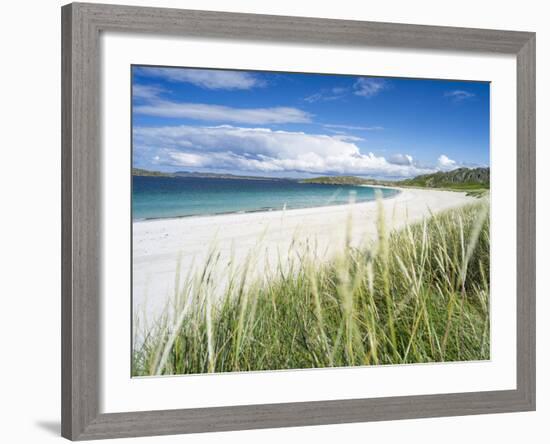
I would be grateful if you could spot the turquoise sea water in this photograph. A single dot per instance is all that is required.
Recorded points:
(161, 197)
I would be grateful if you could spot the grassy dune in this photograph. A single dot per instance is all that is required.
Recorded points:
(413, 296)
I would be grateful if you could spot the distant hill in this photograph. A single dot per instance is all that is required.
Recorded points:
(459, 179)
(464, 178)
(142, 172)
(223, 176)
(339, 180)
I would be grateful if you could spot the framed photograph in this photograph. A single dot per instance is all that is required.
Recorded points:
(279, 221)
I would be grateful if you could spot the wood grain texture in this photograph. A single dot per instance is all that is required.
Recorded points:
(259, 27)
(81, 231)
(81, 222)
(120, 425)
(526, 221)
(66, 223)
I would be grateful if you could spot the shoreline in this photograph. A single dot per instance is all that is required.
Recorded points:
(159, 245)
(271, 210)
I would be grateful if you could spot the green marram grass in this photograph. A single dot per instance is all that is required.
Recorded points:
(417, 295)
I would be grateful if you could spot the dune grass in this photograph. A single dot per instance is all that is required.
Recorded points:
(414, 296)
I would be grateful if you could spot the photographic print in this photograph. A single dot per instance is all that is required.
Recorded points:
(288, 221)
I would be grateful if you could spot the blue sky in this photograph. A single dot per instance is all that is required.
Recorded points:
(296, 125)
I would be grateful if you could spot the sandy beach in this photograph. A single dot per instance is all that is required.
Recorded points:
(160, 245)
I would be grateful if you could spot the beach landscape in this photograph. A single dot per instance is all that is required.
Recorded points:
(245, 261)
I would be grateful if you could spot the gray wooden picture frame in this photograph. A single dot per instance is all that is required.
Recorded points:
(81, 239)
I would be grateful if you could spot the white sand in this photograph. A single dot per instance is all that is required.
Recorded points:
(158, 244)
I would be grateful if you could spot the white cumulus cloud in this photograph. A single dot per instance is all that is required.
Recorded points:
(263, 150)
(146, 92)
(401, 159)
(206, 78)
(149, 102)
(219, 113)
(445, 163)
